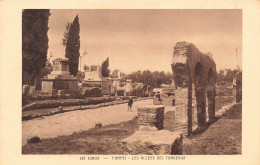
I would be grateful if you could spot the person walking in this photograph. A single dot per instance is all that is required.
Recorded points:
(130, 103)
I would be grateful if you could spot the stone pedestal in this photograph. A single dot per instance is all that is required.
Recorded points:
(150, 117)
(237, 90)
(161, 142)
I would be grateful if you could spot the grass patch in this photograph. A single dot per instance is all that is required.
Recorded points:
(222, 138)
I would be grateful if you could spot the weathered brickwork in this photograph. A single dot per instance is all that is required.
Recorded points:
(150, 117)
(197, 71)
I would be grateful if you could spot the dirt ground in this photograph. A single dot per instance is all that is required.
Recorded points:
(76, 121)
(221, 138)
(107, 139)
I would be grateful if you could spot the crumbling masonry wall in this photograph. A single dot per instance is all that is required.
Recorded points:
(197, 71)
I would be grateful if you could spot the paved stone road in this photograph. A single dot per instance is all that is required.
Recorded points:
(75, 121)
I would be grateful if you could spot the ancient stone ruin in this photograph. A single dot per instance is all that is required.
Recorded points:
(151, 138)
(197, 71)
(191, 69)
(60, 81)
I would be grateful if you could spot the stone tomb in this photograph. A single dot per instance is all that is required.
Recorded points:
(94, 78)
(60, 80)
(151, 138)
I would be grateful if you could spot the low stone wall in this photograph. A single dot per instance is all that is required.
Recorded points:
(45, 96)
(62, 109)
(56, 103)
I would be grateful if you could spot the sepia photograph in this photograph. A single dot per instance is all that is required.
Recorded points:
(131, 82)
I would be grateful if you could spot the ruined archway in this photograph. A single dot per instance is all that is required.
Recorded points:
(198, 71)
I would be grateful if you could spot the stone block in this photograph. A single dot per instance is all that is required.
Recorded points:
(156, 101)
(26, 89)
(53, 92)
(31, 90)
(150, 117)
(168, 101)
(161, 142)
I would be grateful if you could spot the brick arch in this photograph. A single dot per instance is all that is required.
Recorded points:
(194, 67)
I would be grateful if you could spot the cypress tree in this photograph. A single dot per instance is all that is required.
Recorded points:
(73, 47)
(105, 71)
(34, 42)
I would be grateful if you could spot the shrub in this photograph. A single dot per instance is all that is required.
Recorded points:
(93, 92)
(35, 139)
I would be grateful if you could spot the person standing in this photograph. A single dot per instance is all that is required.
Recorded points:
(130, 103)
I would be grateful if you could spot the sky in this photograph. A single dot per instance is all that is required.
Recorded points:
(144, 39)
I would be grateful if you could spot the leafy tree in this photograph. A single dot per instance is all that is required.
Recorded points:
(226, 76)
(73, 46)
(153, 79)
(148, 78)
(115, 73)
(34, 42)
(105, 71)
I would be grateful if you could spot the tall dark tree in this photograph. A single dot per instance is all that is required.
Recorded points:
(105, 71)
(73, 46)
(34, 42)
(66, 35)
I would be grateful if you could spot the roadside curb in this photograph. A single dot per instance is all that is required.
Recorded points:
(60, 109)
